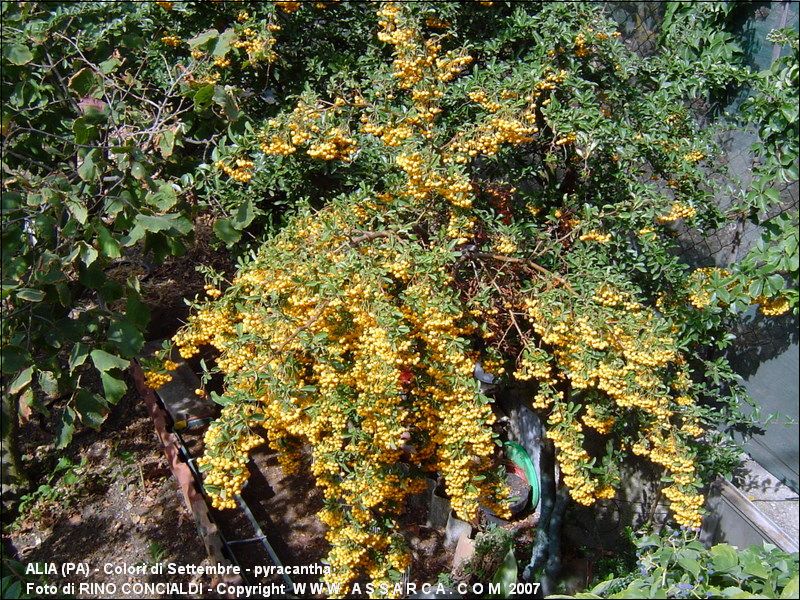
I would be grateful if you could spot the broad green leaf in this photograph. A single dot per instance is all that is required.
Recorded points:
(83, 82)
(224, 42)
(138, 171)
(164, 199)
(77, 209)
(244, 215)
(21, 381)
(166, 143)
(105, 361)
(78, 355)
(203, 97)
(114, 388)
(12, 359)
(724, 558)
(690, 565)
(125, 337)
(67, 428)
(203, 38)
(136, 311)
(87, 169)
(17, 54)
(109, 66)
(164, 222)
(792, 588)
(30, 294)
(91, 408)
(225, 231)
(49, 383)
(506, 574)
(109, 246)
(84, 130)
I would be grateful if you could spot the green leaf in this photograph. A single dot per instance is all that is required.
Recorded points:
(83, 82)
(203, 38)
(77, 209)
(91, 408)
(203, 97)
(724, 558)
(21, 381)
(164, 199)
(87, 169)
(49, 383)
(166, 143)
(88, 253)
(30, 294)
(114, 388)
(506, 574)
(164, 222)
(109, 66)
(109, 246)
(67, 428)
(105, 361)
(224, 42)
(12, 359)
(244, 215)
(136, 311)
(78, 355)
(125, 337)
(690, 565)
(17, 54)
(752, 565)
(138, 171)
(225, 231)
(84, 131)
(792, 588)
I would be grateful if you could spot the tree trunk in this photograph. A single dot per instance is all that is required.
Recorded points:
(545, 563)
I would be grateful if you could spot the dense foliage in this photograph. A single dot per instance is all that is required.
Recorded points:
(677, 566)
(493, 183)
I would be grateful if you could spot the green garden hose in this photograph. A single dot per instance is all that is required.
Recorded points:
(520, 457)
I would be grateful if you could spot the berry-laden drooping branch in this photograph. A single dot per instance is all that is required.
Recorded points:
(517, 213)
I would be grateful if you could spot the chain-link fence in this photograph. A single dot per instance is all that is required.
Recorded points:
(765, 352)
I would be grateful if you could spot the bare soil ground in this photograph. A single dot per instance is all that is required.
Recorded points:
(122, 508)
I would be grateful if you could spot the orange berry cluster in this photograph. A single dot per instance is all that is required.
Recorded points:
(241, 170)
(678, 210)
(616, 354)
